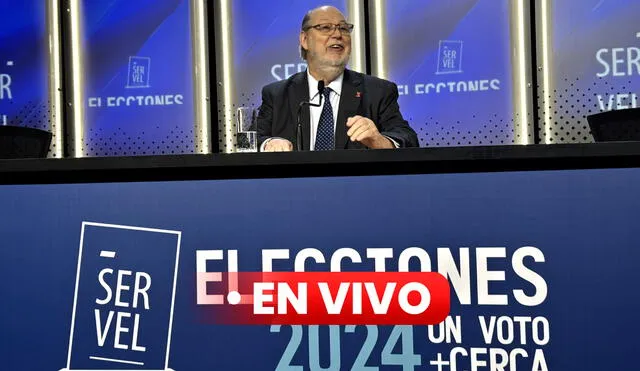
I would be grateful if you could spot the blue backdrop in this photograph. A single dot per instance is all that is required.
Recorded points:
(594, 53)
(583, 222)
(138, 76)
(464, 45)
(586, 36)
(24, 70)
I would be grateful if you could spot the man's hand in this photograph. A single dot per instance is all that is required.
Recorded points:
(278, 145)
(363, 130)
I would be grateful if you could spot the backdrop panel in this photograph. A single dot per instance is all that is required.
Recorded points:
(461, 66)
(589, 53)
(27, 71)
(133, 78)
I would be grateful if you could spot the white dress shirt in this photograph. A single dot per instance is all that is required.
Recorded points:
(315, 112)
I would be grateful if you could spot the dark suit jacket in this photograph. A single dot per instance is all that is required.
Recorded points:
(362, 95)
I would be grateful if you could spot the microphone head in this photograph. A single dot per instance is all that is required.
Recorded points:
(321, 87)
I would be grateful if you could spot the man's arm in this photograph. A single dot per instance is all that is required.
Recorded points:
(390, 131)
(265, 118)
(391, 123)
(266, 141)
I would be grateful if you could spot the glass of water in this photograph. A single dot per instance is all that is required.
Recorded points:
(246, 135)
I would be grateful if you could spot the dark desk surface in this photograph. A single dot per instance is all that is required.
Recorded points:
(338, 163)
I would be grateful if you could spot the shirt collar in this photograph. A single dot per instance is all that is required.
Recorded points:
(335, 85)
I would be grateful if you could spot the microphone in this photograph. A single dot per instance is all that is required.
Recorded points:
(320, 89)
(299, 144)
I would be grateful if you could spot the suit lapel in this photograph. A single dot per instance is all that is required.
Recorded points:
(350, 100)
(299, 92)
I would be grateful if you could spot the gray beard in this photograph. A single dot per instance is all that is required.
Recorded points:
(330, 71)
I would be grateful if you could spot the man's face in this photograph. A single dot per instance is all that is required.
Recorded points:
(326, 48)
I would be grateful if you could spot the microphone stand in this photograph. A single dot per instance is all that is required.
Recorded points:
(299, 144)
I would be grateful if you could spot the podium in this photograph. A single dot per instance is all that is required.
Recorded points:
(23, 142)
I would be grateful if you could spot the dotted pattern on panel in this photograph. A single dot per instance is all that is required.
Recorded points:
(118, 142)
(569, 107)
(34, 114)
(493, 130)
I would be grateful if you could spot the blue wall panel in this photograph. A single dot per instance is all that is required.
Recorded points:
(453, 65)
(24, 96)
(138, 77)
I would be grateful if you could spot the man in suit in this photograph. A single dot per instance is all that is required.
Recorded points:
(357, 111)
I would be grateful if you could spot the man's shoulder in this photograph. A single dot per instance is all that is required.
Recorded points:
(276, 85)
(371, 80)
(282, 85)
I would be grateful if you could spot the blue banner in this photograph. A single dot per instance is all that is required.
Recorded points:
(453, 65)
(541, 266)
(139, 77)
(24, 64)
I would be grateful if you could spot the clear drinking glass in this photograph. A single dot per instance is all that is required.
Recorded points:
(246, 135)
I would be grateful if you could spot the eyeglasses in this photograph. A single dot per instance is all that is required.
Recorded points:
(329, 28)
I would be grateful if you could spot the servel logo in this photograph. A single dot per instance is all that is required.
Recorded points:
(138, 72)
(449, 57)
(124, 298)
